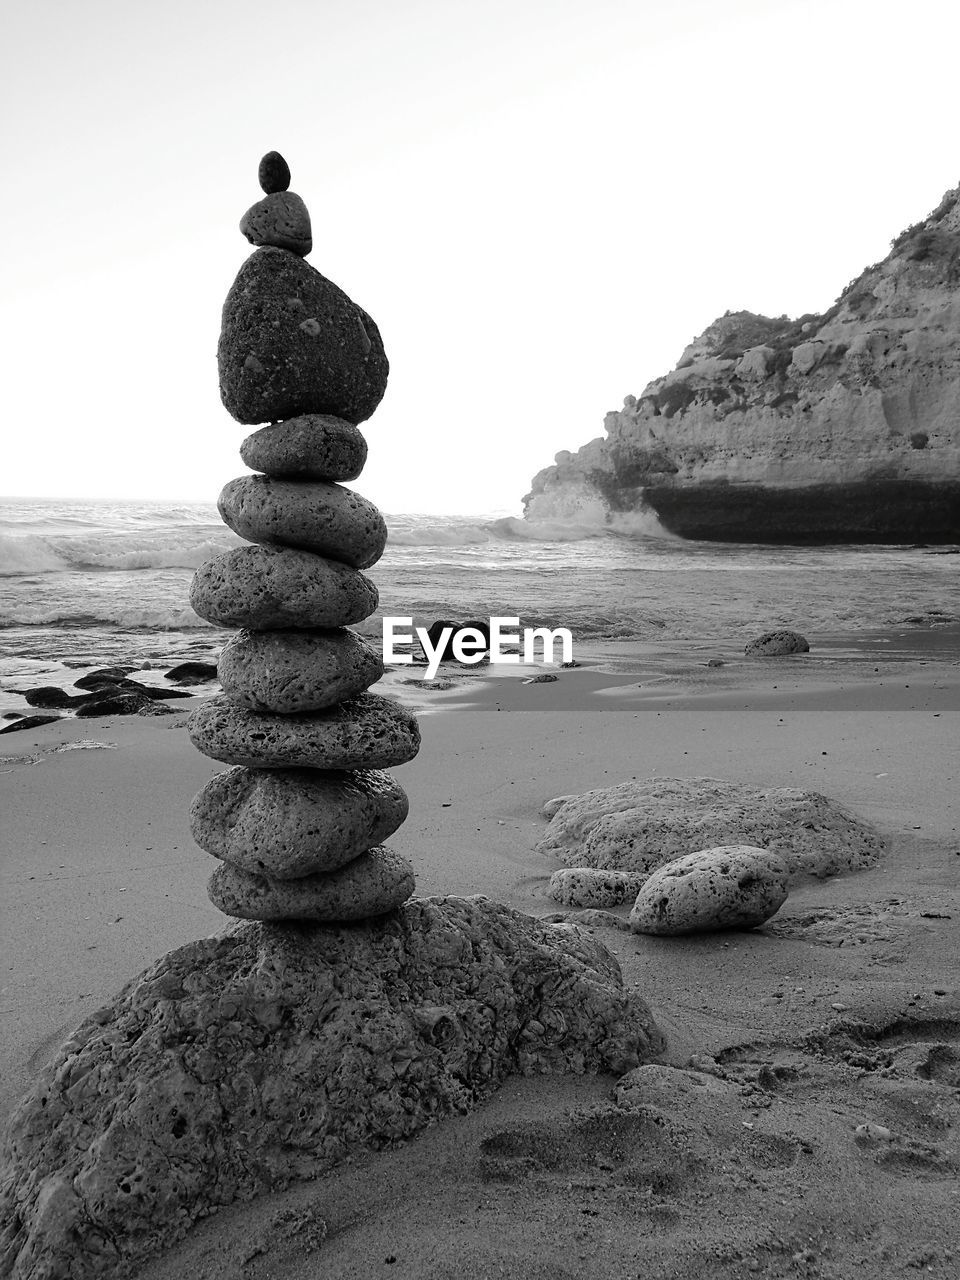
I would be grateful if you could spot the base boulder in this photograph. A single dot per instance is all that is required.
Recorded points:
(267, 1054)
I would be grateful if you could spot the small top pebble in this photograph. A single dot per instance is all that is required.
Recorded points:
(274, 173)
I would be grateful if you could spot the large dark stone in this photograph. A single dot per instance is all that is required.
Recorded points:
(49, 696)
(273, 1052)
(103, 675)
(191, 673)
(29, 722)
(292, 342)
(114, 704)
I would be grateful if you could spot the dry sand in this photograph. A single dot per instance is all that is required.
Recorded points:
(844, 1010)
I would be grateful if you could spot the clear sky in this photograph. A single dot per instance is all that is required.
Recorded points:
(539, 201)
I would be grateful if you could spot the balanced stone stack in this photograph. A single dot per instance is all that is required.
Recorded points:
(298, 822)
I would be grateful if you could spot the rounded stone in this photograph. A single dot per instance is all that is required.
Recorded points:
(730, 887)
(365, 732)
(587, 887)
(280, 220)
(273, 173)
(291, 342)
(777, 644)
(290, 671)
(310, 515)
(286, 823)
(379, 881)
(274, 588)
(311, 447)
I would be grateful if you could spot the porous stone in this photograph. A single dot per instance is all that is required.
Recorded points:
(271, 1052)
(286, 823)
(289, 671)
(291, 342)
(588, 887)
(314, 446)
(365, 732)
(639, 825)
(276, 588)
(776, 644)
(310, 515)
(280, 219)
(731, 887)
(273, 173)
(372, 884)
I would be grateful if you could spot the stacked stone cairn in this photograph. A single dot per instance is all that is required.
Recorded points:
(274, 1050)
(297, 823)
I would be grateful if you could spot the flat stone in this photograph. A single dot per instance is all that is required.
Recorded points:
(310, 515)
(365, 732)
(276, 588)
(290, 671)
(273, 173)
(103, 675)
(376, 882)
(291, 343)
(730, 887)
(272, 1053)
(115, 704)
(314, 446)
(285, 823)
(777, 644)
(639, 825)
(280, 219)
(191, 673)
(29, 722)
(587, 887)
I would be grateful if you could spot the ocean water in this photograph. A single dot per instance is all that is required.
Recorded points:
(99, 582)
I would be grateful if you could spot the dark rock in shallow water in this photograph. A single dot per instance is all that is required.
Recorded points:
(293, 343)
(241, 1062)
(777, 644)
(314, 446)
(114, 704)
(103, 675)
(29, 722)
(49, 696)
(436, 629)
(192, 673)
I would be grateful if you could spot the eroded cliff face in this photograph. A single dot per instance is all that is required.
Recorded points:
(839, 427)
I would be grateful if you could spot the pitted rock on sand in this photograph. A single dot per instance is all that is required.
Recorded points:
(239, 1063)
(731, 887)
(592, 889)
(640, 825)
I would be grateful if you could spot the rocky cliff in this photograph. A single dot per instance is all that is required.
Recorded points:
(831, 428)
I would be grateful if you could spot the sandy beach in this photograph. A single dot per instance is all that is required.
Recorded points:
(825, 1019)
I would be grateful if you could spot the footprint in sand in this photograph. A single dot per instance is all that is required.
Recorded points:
(606, 1146)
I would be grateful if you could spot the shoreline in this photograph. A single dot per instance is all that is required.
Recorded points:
(101, 878)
